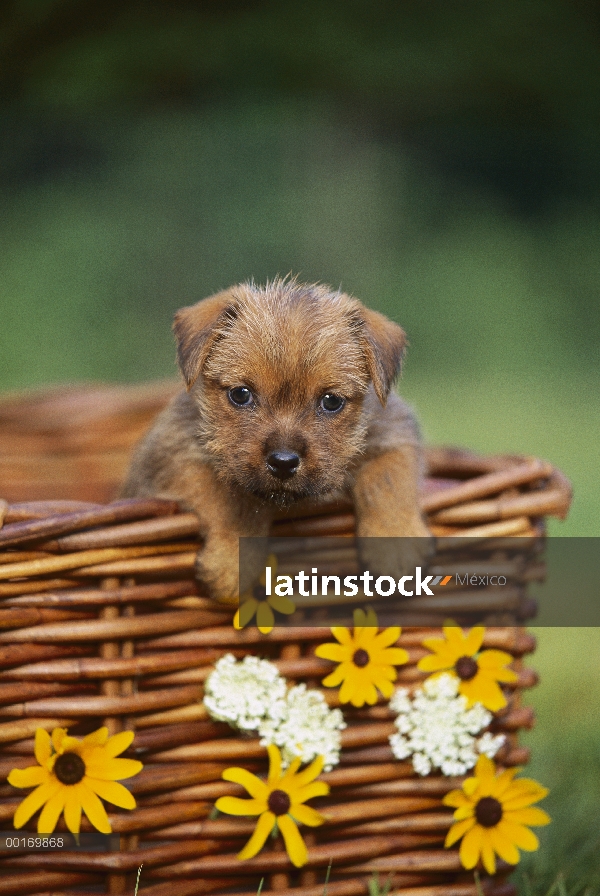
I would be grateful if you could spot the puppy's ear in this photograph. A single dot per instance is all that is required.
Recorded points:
(196, 328)
(384, 343)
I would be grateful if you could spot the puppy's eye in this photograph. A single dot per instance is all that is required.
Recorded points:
(332, 403)
(240, 396)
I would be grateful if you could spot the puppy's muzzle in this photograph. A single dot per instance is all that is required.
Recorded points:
(283, 464)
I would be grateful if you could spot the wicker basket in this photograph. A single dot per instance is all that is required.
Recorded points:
(102, 623)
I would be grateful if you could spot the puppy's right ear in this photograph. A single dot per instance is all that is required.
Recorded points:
(196, 328)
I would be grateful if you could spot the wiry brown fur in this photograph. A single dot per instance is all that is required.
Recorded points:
(289, 344)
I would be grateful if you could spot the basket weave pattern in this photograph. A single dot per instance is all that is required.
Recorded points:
(102, 623)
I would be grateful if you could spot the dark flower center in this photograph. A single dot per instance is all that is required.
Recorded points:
(69, 768)
(279, 802)
(488, 812)
(259, 592)
(466, 668)
(360, 658)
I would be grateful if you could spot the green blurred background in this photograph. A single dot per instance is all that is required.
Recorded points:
(439, 160)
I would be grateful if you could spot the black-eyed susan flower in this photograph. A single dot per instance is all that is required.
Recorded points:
(492, 811)
(72, 775)
(478, 672)
(257, 602)
(280, 800)
(366, 659)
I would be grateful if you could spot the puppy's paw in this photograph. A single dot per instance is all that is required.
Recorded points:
(396, 556)
(217, 568)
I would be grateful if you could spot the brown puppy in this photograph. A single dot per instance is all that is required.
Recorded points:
(287, 399)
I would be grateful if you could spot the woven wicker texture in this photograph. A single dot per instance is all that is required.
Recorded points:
(102, 623)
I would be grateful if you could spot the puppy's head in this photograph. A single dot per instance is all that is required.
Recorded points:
(280, 374)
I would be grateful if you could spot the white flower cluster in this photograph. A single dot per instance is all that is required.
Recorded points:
(240, 693)
(303, 725)
(251, 695)
(437, 730)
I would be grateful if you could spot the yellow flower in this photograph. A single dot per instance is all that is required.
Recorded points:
(478, 673)
(257, 601)
(491, 813)
(278, 801)
(72, 774)
(366, 659)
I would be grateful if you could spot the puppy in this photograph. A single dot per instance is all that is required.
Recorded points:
(288, 399)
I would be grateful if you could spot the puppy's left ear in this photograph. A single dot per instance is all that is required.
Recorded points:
(384, 343)
(196, 328)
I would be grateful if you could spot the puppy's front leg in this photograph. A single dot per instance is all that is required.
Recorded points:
(386, 502)
(225, 517)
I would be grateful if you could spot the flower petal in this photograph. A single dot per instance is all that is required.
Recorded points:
(274, 764)
(255, 787)
(523, 793)
(43, 746)
(467, 811)
(51, 811)
(339, 674)
(503, 782)
(233, 805)
(294, 844)
(307, 815)
(246, 611)
(290, 773)
(494, 659)
(483, 690)
(118, 743)
(73, 809)
(264, 618)
(100, 737)
(349, 688)
(95, 811)
(282, 604)
(485, 775)
(457, 799)
(338, 653)
(470, 847)
(365, 619)
(58, 735)
(112, 792)
(310, 791)
(386, 687)
(28, 777)
(474, 640)
(455, 637)
(519, 835)
(309, 773)
(342, 635)
(263, 828)
(368, 694)
(487, 852)
(531, 816)
(433, 662)
(387, 637)
(113, 769)
(503, 845)
(394, 656)
(34, 800)
(458, 830)
(72, 744)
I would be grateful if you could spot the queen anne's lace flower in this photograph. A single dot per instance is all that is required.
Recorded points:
(303, 726)
(242, 693)
(253, 696)
(437, 730)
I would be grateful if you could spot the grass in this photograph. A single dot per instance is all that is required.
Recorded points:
(565, 748)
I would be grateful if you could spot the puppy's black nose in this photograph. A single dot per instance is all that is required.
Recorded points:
(282, 464)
